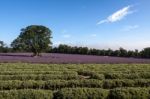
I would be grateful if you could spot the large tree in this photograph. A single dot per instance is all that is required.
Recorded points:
(34, 38)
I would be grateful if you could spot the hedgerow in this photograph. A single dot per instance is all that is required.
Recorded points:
(127, 75)
(130, 93)
(59, 84)
(37, 72)
(38, 77)
(98, 93)
(82, 93)
(26, 94)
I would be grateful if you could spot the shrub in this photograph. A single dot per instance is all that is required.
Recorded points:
(26, 94)
(81, 93)
(130, 93)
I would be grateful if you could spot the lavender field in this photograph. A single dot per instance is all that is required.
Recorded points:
(66, 58)
(74, 81)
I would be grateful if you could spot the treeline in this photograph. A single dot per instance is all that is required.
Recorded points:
(66, 49)
(4, 48)
(121, 52)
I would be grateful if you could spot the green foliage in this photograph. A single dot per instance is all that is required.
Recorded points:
(38, 77)
(145, 52)
(63, 48)
(130, 93)
(82, 93)
(59, 84)
(4, 48)
(26, 94)
(34, 38)
(127, 76)
(74, 81)
(95, 93)
(50, 84)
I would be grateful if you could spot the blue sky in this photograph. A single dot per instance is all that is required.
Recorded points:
(93, 23)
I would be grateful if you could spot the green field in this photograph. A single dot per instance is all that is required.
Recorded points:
(74, 81)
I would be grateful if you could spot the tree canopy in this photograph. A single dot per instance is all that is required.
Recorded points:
(34, 38)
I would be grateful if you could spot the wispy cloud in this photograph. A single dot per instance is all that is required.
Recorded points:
(57, 43)
(130, 27)
(93, 35)
(117, 16)
(66, 36)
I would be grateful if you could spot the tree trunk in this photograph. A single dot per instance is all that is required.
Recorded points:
(39, 54)
(36, 54)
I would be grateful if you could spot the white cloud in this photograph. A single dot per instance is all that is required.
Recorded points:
(130, 27)
(117, 16)
(102, 21)
(57, 43)
(93, 35)
(66, 36)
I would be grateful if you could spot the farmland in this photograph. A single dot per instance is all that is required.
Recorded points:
(74, 81)
(67, 58)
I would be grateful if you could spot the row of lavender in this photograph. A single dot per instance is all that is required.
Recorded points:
(66, 58)
(74, 81)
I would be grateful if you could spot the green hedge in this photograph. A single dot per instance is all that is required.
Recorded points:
(109, 84)
(59, 84)
(78, 93)
(70, 75)
(137, 75)
(26, 94)
(37, 72)
(130, 93)
(82, 93)
(39, 77)
(51, 84)
(95, 93)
